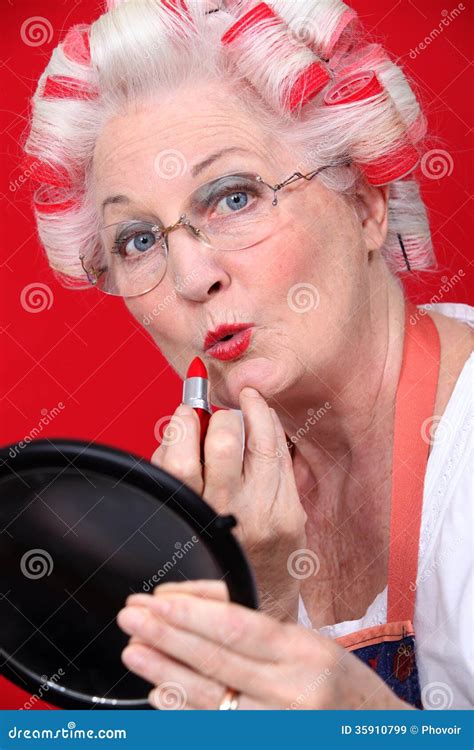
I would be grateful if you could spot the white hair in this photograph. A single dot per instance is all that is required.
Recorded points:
(139, 48)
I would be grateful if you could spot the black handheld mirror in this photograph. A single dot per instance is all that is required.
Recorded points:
(82, 527)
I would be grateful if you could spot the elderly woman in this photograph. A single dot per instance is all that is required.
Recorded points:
(243, 175)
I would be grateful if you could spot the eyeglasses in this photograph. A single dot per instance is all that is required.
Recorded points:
(233, 212)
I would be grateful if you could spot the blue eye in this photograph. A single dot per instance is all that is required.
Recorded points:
(236, 201)
(133, 243)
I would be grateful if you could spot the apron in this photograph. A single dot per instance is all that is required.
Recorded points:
(389, 649)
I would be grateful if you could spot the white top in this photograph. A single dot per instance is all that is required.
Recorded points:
(444, 604)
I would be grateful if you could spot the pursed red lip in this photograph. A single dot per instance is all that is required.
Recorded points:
(214, 337)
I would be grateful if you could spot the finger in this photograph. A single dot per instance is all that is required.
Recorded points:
(181, 457)
(223, 453)
(207, 589)
(177, 686)
(245, 631)
(260, 436)
(214, 661)
(284, 454)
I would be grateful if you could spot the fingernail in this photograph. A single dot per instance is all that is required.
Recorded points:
(132, 618)
(252, 392)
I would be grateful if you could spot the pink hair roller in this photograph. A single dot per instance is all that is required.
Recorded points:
(394, 165)
(50, 199)
(43, 172)
(353, 88)
(76, 44)
(307, 85)
(310, 80)
(347, 17)
(67, 87)
(261, 12)
(365, 57)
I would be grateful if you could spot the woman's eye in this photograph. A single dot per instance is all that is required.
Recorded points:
(233, 202)
(133, 245)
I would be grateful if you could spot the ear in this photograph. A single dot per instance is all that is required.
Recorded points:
(372, 210)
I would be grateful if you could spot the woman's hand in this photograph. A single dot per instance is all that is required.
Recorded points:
(259, 490)
(203, 644)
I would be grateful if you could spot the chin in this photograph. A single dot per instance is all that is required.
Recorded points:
(265, 375)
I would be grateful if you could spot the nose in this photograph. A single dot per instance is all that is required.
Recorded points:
(196, 270)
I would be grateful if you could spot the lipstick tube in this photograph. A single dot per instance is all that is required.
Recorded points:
(196, 395)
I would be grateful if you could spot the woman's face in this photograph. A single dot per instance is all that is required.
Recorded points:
(301, 288)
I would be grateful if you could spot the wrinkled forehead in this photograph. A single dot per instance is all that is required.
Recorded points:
(169, 144)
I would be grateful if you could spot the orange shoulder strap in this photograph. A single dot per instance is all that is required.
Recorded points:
(414, 407)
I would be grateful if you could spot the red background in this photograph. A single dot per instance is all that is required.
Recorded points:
(85, 351)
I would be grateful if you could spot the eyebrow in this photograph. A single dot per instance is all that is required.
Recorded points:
(195, 171)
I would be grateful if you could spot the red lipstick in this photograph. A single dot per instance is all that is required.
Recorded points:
(196, 394)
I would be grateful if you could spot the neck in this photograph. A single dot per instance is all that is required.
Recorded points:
(341, 421)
